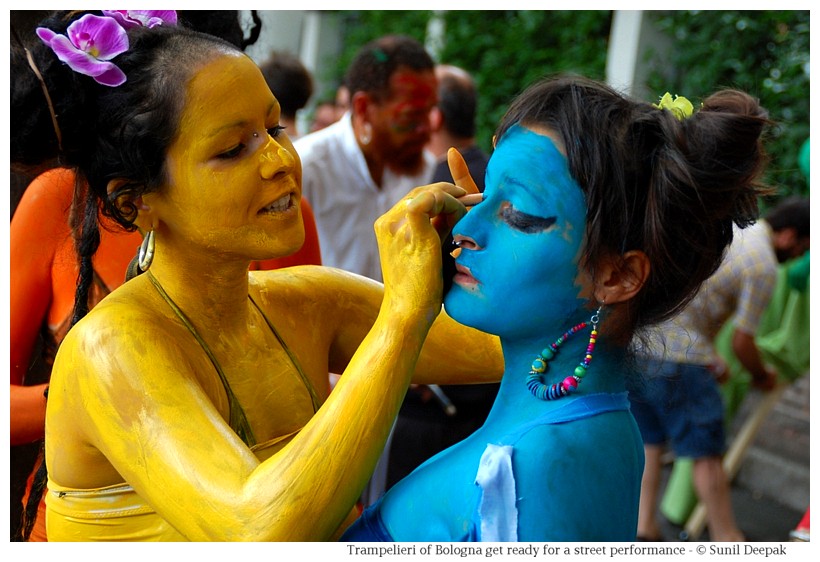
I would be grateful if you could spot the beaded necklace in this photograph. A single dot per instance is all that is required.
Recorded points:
(535, 380)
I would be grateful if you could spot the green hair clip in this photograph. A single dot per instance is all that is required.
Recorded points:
(379, 55)
(680, 107)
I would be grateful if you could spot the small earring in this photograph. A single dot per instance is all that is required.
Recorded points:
(367, 134)
(146, 254)
(535, 381)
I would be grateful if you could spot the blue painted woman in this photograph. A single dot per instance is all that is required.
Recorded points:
(601, 216)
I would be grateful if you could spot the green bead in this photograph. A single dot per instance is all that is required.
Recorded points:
(547, 354)
(580, 371)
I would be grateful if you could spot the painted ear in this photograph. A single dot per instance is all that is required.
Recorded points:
(131, 206)
(359, 103)
(619, 278)
(436, 119)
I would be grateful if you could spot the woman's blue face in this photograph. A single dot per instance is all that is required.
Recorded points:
(518, 268)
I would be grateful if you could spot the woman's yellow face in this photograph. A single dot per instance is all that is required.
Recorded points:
(234, 178)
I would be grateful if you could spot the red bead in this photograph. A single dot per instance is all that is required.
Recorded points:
(569, 384)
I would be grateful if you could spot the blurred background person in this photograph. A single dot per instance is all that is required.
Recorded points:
(291, 83)
(331, 109)
(324, 115)
(356, 169)
(453, 124)
(342, 101)
(680, 402)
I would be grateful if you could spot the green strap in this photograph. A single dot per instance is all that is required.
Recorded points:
(313, 397)
(237, 420)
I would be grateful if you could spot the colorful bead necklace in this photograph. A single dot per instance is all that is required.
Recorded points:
(535, 380)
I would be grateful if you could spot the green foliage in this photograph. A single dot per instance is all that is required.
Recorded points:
(765, 53)
(361, 27)
(504, 50)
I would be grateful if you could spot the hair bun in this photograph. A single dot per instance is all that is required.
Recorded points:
(725, 149)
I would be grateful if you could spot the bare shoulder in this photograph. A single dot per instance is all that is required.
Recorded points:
(125, 333)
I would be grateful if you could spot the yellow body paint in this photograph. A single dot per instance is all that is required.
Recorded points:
(135, 401)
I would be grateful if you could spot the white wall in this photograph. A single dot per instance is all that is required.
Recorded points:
(632, 36)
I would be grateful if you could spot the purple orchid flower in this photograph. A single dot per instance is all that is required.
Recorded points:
(90, 43)
(144, 18)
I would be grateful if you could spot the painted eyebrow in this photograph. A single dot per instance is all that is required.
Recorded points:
(525, 186)
(241, 122)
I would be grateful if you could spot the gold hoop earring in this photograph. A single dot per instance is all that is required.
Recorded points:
(146, 255)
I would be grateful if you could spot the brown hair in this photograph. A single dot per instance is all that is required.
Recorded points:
(669, 188)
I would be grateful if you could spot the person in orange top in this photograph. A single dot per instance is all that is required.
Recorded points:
(43, 278)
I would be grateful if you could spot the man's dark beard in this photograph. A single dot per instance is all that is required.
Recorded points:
(407, 165)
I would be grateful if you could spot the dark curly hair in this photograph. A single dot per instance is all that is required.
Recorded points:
(289, 80)
(457, 102)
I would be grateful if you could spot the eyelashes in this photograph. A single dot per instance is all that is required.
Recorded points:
(232, 153)
(529, 224)
(275, 132)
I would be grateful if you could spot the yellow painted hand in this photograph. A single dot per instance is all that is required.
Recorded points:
(462, 178)
(409, 237)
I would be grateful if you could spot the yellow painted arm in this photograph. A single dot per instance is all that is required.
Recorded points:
(128, 401)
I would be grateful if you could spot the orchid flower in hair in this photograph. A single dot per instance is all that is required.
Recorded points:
(144, 18)
(88, 46)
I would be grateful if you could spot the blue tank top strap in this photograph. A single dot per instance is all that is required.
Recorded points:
(582, 407)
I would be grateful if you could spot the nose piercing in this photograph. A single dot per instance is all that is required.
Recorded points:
(255, 134)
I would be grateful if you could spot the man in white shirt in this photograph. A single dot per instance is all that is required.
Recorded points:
(355, 170)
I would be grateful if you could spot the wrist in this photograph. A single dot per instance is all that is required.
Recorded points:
(419, 310)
